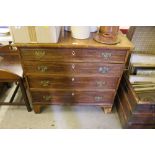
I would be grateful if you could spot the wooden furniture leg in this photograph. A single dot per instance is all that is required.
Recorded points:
(24, 95)
(107, 110)
(37, 108)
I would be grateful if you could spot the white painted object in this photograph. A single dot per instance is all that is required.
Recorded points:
(93, 28)
(47, 34)
(20, 34)
(67, 28)
(38, 34)
(80, 32)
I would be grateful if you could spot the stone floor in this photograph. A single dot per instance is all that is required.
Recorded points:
(57, 117)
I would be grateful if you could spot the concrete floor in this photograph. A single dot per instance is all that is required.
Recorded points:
(57, 117)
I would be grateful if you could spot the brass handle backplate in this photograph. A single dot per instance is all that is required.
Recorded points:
(39, 54)
(47, 98)
(42, 68)
(98, 98)
(45, 83)
(103, 70)
(106, 55)
(100, 83)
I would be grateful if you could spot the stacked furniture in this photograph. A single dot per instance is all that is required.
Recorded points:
(74, 72)
(136, 94)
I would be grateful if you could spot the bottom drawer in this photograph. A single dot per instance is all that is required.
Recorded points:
(134, 120)
(133, 109)
(73, 97)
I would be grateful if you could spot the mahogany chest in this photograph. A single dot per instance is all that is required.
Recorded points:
(74, 72)
(135, 110)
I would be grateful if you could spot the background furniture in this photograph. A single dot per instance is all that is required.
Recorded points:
(74, 72)
(137, 109)
(2, 85)
(11, 71)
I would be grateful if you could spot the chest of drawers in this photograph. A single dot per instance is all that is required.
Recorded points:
(74, 72)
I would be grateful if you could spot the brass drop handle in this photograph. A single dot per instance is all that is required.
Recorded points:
(103, 70)
(45, 83)
(39, 54)
(98, 98)
(100, 83)
(42, 68)
(47, 98)
(106, 55)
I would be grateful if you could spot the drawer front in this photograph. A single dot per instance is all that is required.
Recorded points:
(139, 103)
(141, 126)
(58, 82)
(98, 69)
(141, 109)
(74, 55)
(142, 119)
(128, 117)
(73, 97)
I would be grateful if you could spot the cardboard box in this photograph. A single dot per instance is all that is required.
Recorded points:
(35, 34)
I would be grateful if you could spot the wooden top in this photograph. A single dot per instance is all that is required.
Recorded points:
(11, 64)
(66, 41)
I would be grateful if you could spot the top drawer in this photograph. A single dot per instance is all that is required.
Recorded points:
(74, 55)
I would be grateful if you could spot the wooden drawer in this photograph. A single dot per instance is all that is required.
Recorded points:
(65, 82)
(133, 105)
(97, 69)
(74, 55)
(143, 112)
(143, 102)
(73, 97)
(133, 108)
(135, 120)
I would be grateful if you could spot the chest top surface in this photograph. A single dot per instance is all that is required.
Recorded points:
(66, 41)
